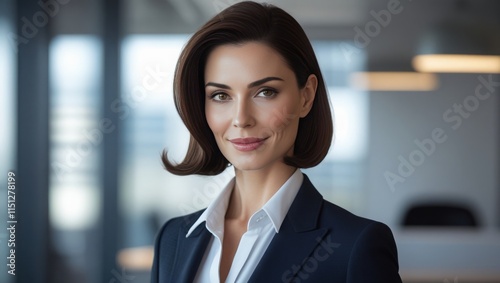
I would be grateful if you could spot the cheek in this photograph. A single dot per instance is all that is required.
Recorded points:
(215, 121)
(284, 118)
(211, 120)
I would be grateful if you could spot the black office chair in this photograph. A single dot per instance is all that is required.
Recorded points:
(439, 214)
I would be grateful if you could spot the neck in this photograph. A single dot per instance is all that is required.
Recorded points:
(253, 188)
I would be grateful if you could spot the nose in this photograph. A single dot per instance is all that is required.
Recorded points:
(243, 114)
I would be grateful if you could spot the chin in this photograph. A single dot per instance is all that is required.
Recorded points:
(246, 166)
(255, 164)
(249, 163)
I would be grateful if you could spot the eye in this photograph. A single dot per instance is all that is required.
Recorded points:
(219, 96)
(267, 93)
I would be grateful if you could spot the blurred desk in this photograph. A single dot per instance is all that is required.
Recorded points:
(448, 255)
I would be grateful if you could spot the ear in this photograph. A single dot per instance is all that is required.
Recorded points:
(308, 93)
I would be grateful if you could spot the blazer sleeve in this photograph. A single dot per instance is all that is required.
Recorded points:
(374, 257)
(162, 244)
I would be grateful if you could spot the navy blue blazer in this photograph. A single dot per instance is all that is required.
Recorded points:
(317, 242)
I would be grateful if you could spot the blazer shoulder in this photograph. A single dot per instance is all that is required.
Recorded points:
(340, 217)
(326, 214)
(167, 241)
(180, 223)
(374, 257)
(372, 252)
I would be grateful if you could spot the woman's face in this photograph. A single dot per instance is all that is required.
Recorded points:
(253, 104)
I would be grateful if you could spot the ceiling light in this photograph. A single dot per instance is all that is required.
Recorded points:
(455, 63)
(458, 47)
(394, 81)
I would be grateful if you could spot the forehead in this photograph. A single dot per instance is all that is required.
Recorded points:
(250, 59)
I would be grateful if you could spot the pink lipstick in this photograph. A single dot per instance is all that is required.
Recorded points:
(247, 144)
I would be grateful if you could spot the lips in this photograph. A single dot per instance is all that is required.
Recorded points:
(247, 144)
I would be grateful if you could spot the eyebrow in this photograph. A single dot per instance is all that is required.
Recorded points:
(250, 85)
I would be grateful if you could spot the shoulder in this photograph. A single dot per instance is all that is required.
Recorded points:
(338, 217)
(167, 241)
(174, 229)
(367, 246)
(178, 225)
(310, 210)
(351, 228)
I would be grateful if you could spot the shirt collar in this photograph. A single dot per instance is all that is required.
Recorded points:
(276, 207)
(215, 212)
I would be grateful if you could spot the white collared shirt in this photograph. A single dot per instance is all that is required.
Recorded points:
(261, 228)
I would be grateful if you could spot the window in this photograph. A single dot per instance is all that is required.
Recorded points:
(75, 146)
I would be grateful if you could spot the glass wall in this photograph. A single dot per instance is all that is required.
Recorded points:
(76, 134)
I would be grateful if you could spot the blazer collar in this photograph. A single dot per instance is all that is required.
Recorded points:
(298, 237)
(190, 250)
(305, 209)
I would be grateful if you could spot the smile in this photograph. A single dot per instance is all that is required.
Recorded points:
(247, 144)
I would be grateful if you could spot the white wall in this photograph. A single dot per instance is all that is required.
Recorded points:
(463, 167)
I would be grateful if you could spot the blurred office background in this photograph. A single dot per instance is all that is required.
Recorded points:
(86, 109)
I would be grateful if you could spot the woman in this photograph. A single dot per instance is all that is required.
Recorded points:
(249, 89)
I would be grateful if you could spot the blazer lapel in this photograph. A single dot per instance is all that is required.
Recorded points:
(297, 239)
(190, 252)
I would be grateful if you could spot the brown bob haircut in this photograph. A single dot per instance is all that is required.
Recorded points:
(244, 22)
